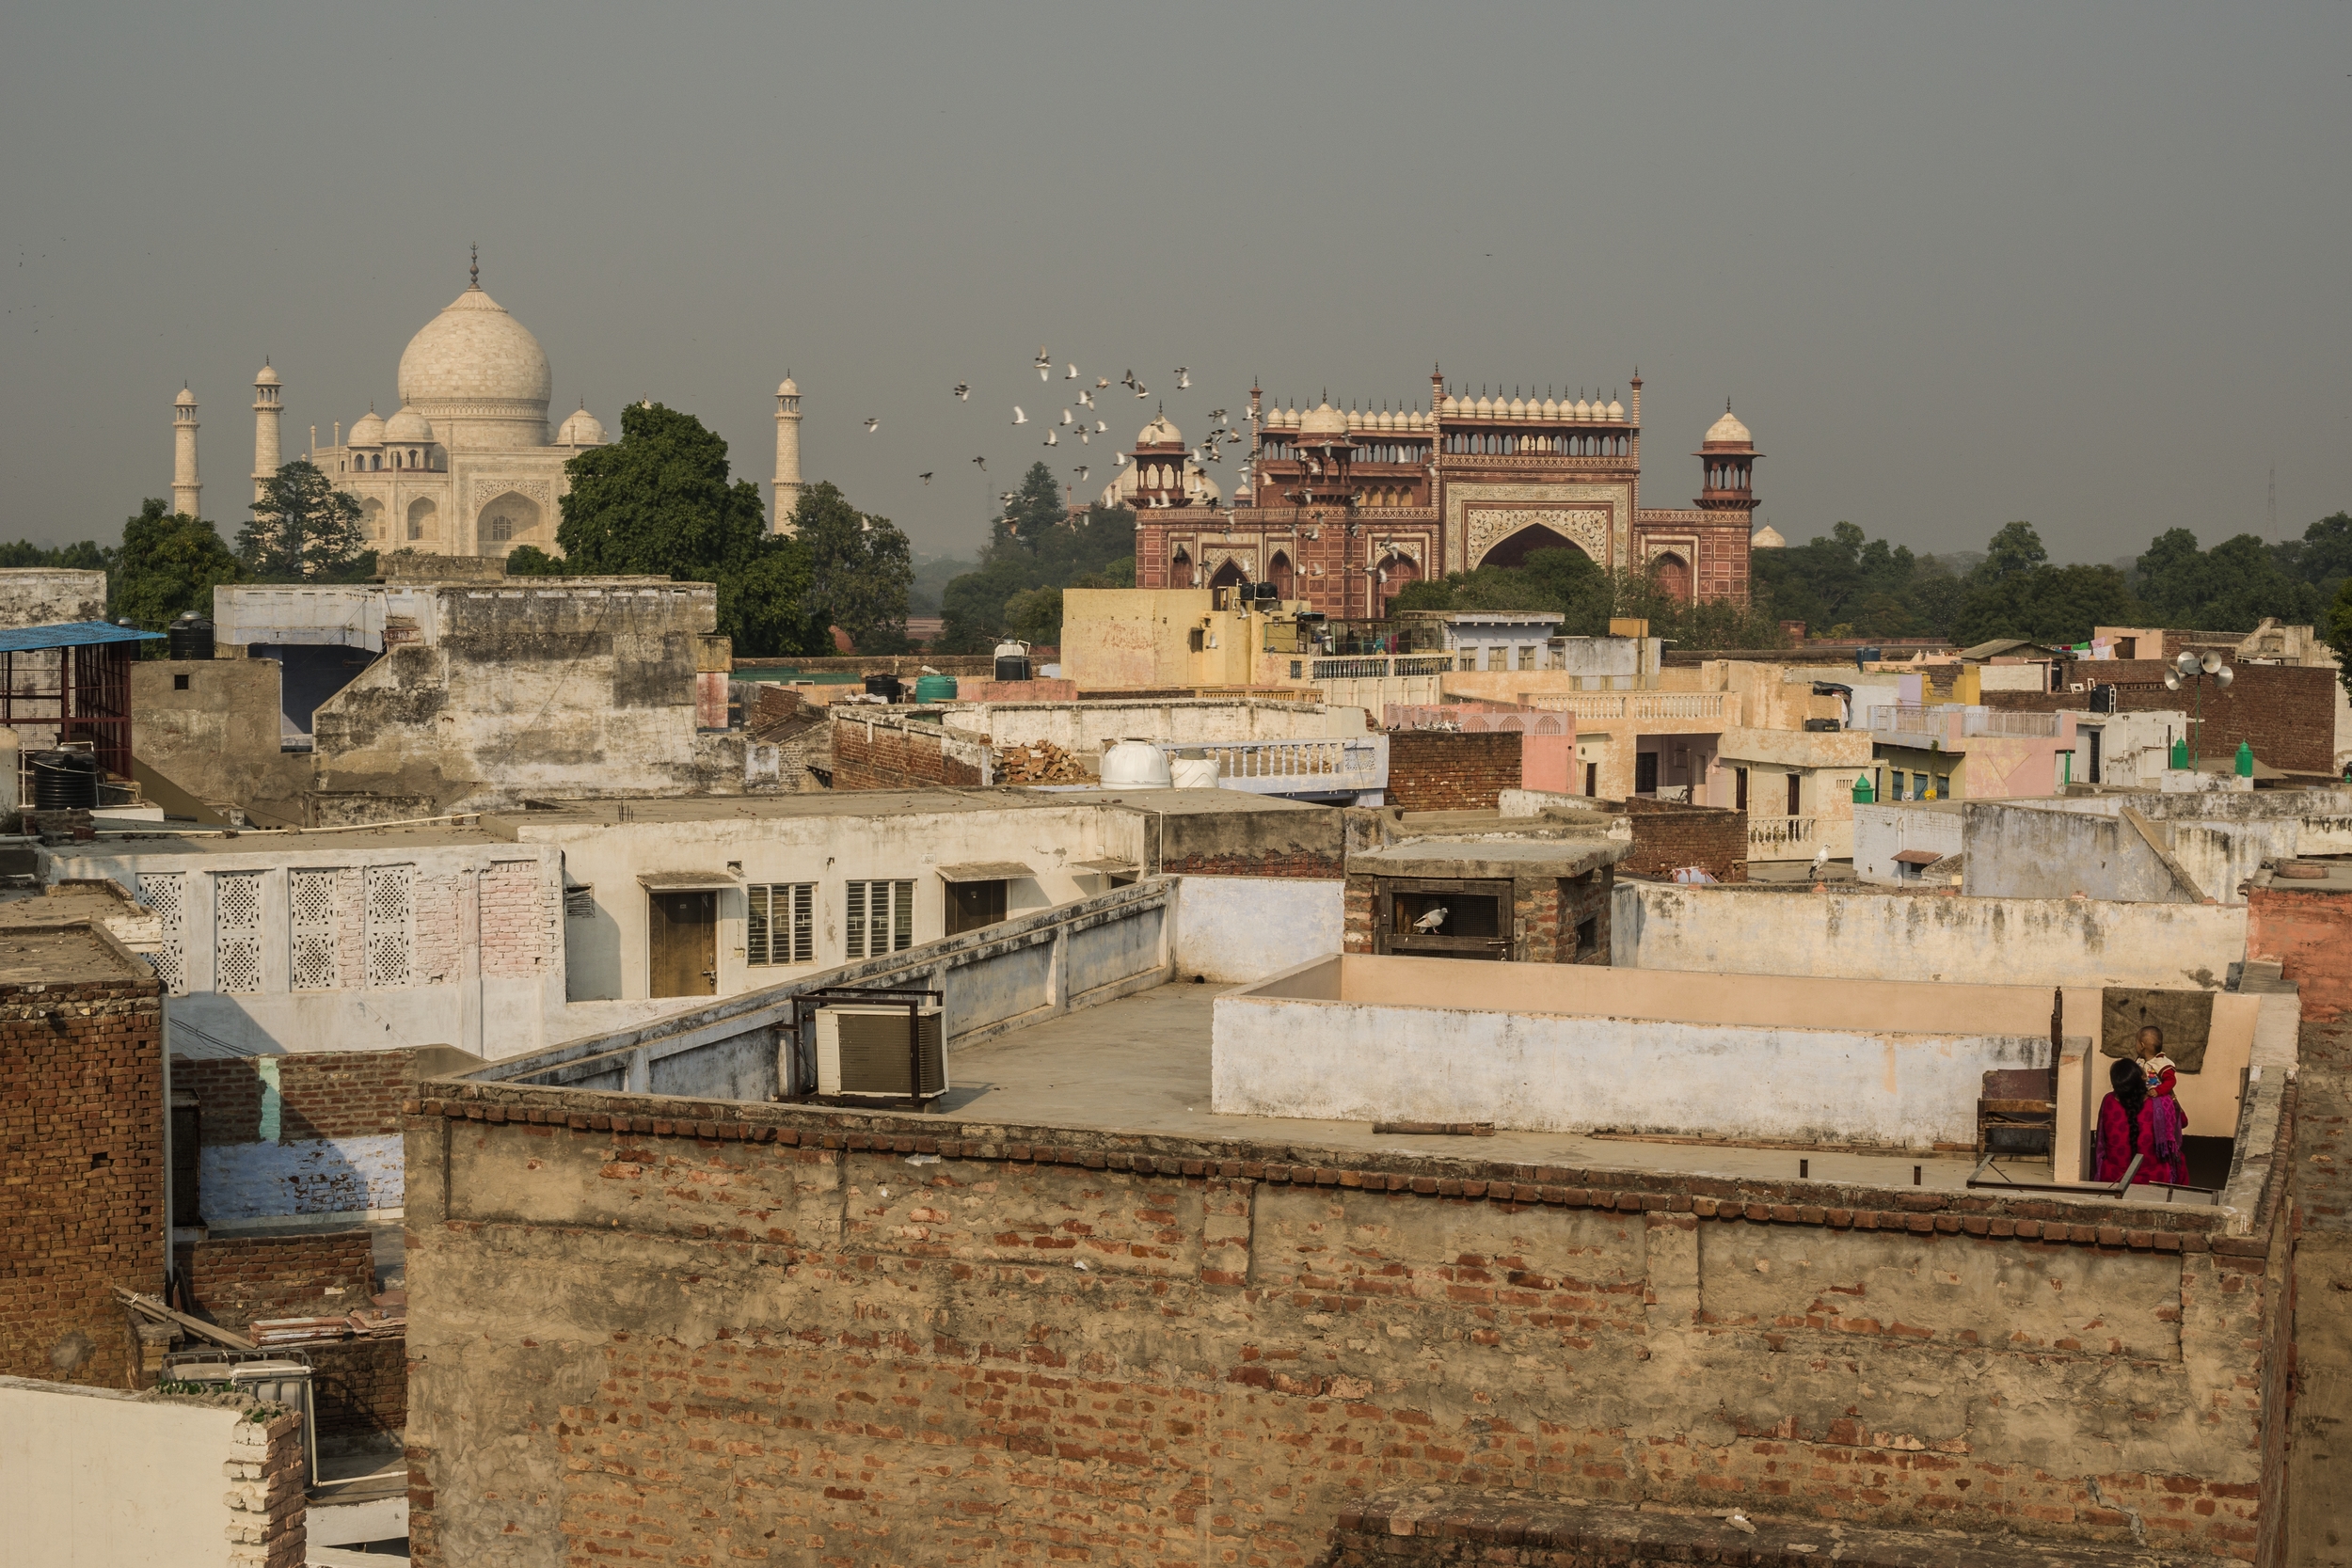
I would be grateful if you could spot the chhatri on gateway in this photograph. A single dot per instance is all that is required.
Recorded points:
(464, 466)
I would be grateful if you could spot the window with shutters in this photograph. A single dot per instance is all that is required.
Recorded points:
(311, 900)
(780, 925)
(392, 924)
(237, 932)
(877, 918)
(163, 892)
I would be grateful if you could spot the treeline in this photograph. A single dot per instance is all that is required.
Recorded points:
(1567, 581)
(1035, 549)
(1844, 584)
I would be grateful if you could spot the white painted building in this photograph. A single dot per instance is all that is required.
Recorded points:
(1895, 841)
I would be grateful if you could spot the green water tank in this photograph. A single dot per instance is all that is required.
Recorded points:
(935, 688)
(1863, 794)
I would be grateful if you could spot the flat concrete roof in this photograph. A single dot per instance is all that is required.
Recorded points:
(73, 955)
(1141, 1065)
(1566, 856)
(246, 841)
(876, 803)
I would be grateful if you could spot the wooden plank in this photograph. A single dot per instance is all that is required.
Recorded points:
(197, 1326)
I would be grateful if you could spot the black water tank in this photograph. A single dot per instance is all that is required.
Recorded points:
(1012, 667)
(884, 685)
(190, 637)
(65, 781)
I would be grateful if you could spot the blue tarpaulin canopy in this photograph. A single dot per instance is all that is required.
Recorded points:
(70, 634)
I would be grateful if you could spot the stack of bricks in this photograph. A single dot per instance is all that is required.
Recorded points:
(2286, 712)
(81, 1170)
(235, 1280)
(1450, 771)
(1669, 835)
(267, 1498)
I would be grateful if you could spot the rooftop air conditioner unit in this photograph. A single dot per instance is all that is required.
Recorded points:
(863, 1051)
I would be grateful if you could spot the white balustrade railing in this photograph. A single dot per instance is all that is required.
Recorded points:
(1356, 667)
(1311, 766)
(1638, 705)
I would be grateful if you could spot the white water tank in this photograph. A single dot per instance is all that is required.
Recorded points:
(1135, 764)
(1191, 771)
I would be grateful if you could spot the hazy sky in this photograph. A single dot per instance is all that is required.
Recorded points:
(2081, 264)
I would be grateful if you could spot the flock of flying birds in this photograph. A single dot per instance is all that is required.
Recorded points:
(1209, 450)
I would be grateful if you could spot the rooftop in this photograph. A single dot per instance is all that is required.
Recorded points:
(68, 954)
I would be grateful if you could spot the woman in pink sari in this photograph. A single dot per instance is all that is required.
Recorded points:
(2133, 1121)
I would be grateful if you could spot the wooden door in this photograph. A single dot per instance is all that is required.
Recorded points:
(682, 944)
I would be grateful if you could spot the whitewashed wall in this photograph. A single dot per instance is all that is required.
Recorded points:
(1234, 929)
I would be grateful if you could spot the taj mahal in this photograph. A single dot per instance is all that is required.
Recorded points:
(464, 465)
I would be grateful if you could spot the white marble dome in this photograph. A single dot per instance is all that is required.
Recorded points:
(408, 428)
(1728, 429)
(1767, 538)
(582, 429)
(366, 431)
(474, 360)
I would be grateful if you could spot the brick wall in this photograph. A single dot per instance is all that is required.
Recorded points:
(869, 755)
(2310, 935)
(519, 921)
(235, 1280)
(322, 1094)
(1447, 771)
(882, 1362)
(2285, 711)
(81, 1172)
(359, 1385)
(1671, 834)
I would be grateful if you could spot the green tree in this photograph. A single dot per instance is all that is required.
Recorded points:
(2232, 586)
(530, 560)
(659, 502)
(303, 530)
(2015, 592)
(169, 563)
(2339, 632)
(1034, 544)
(1588, 598)
(86, 555)
(2323, 557)
(860, 569)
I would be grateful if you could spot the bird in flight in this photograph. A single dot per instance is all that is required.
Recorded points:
(1053, 438)
(1217, 414)
(980, 463)
(1184, 378)
(1127, 380)
(1045, 363)
(1100, 427)
(1073, 374)
(1086, 398)
(1065, 418)
(1081, 471)
(872, 425)
(1103, 381)
(1018, 417)
(963, 390)
(925, 478)
(1141, 391)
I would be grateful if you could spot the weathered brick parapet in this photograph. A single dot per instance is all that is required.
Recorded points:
(682, 1330)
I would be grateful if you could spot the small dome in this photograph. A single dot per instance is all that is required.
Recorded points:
(1551, 409)
(1767, 538)
(581, 428)
(1728, 431)
(267, 378)
(788, 388)
(407, 427)
(1159, 433)
(1484, 408)
(1518, 408)
(1324, 420)
(1616, 409)
(185, 400)
(367, 430)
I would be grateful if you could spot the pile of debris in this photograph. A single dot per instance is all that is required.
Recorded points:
(1041, 762)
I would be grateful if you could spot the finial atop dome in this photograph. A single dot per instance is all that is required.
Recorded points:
(473, 265)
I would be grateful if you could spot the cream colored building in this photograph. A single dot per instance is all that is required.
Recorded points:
(465, 463)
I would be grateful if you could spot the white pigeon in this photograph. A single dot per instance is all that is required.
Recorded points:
(1072, 375)
(1100, 428)
(1086, 435)
(1086, 397)
(1065, 418)
(1018, 417)
(963, 390)
(1101, 382)
(1184, 378)
(1122, 461)
(1045, 363)
(872, 425)
(1053, 438)
(1081, 471)
(1141, 391)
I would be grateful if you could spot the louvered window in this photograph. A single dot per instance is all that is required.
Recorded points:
(780, 926)
(164, 893)
(237, 927)
(392, 924)
(312, 897)
(878, 918)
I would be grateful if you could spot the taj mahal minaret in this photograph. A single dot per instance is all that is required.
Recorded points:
(267, 411)
(187, 491)
(787, 454)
